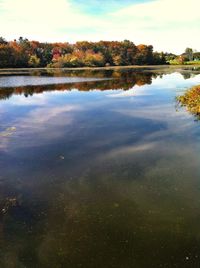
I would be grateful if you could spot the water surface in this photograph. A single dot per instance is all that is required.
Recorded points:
(99, 171)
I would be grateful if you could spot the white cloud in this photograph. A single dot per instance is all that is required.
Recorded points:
(33, 128)
(130, 150)
(37, 19)
(167, 24)
(20, 81)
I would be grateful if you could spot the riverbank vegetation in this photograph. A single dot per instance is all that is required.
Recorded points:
(191, 100)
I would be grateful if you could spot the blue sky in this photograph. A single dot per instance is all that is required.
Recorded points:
(169, 25)
(99, 7)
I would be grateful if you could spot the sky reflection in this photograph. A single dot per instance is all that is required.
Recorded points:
(100, 178)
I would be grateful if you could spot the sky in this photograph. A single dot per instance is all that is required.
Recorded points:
(168, 25)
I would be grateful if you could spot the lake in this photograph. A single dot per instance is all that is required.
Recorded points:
(99, 169)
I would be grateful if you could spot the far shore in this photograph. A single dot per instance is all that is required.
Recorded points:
(106, 68)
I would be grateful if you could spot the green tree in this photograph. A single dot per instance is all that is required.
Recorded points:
(189, 53)
(6, 56)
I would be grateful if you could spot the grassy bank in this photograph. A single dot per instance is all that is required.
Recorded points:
(177, 62)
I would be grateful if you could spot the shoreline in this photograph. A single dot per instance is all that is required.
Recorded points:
(105, 68)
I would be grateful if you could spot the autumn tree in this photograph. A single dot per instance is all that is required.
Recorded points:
(144, 54)
(25, 53)
(34, 61)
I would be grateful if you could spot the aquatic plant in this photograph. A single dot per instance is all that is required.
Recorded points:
(191, 100)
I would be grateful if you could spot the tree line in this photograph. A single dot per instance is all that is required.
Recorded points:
(25, 53)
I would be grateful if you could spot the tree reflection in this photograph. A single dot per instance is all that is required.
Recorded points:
(123, 80)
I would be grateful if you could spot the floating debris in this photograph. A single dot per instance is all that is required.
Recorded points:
(9, 202)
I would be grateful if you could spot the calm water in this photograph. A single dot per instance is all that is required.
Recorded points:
(98, 169)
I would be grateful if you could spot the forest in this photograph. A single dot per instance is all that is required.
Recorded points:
(23, 53)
